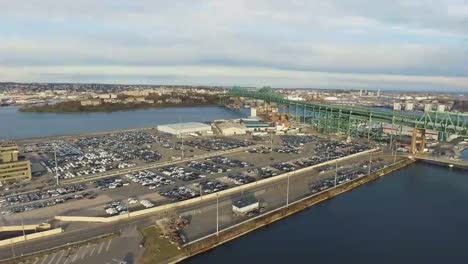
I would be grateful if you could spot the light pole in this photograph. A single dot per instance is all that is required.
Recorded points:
(217, 214)
(287, 192)
(336, 171)
(370, 163)
(56, 165)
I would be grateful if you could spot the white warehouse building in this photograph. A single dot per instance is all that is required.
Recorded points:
(185, 128)
(230, 128)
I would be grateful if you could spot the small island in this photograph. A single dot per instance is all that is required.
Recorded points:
(114, 103)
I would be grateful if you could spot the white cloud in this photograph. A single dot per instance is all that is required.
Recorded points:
(222, 75)
(418, 37)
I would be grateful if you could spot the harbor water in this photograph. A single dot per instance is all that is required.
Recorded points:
(16, 125)
(415, 215)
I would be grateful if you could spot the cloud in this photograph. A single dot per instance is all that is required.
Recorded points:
(370, 37)
(223, 75)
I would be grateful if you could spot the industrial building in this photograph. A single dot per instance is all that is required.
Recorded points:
(185, 128)
(12, 166)
(255, 125)
(231, 128)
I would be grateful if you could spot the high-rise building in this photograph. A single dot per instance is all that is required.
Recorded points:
(427, 107)
(12, 166)
(441, 108)
(409, 107)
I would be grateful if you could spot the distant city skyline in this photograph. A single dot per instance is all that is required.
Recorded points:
(368, 44)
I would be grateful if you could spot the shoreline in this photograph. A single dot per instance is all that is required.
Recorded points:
(24, 109)
(210, 243)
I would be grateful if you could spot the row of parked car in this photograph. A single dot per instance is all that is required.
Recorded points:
(149, 178)
(207, 167)
(233, 163)
(49, 202)
(40, 195)
(110, 183)
(239, 178)
(218, 143)
(343, 176)
(211, 186)
(115, 208)
(180, 173)
(180, 193)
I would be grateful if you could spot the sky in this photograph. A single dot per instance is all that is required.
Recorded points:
(339, 44)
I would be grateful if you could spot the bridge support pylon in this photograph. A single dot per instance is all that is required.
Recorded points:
(418, 141)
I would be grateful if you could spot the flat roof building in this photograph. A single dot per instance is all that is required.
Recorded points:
(185, 128)
(231, 128)
(12, 167)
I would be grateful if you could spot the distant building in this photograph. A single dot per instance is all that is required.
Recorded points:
(107, 96)
(137, 93)
(174, 100)
(295, 98)
(409, 107)
(185, 128)
(396, 106)
(90, 102)
(441, 108)
(12, 167)
(231, 128)
(253, 111)
(427, 107)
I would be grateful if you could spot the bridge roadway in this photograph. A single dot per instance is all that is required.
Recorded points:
(341, 117)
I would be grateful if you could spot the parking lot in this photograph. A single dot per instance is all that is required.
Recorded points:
(176, 182)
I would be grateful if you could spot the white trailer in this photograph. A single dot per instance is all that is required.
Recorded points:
(246, 206)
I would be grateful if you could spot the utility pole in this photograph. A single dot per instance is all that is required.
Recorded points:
(336, 171)
(22, 226)
(128, 207)
(201, 192)
(370, 163)
(287, 192)
(217, 214)
(182, 138)
(271, 140)
(56, 165)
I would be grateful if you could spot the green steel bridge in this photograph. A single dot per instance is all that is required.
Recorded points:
(356, 121)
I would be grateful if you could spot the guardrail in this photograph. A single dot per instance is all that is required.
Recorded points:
(208, 196)
(68, 245)
(18, 239)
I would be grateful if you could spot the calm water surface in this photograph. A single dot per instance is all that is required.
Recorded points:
(416, 215)
(14, 124)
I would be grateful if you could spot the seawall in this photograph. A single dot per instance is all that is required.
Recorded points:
(229, 234)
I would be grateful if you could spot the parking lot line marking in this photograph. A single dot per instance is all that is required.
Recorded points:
(61, 255)
(100, 247)
(85, 250)
(45, 258)
(92, 251)
(108, 245)
(52, 258)
(37, 260)
(75, 256)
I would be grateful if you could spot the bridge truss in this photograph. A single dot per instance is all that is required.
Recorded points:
(357, 121)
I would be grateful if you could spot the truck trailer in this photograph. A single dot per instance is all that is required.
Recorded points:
(247, 206)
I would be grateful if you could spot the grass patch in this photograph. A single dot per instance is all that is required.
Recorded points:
(158, 249)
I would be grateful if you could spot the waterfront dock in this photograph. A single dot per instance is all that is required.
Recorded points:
(451, 163)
